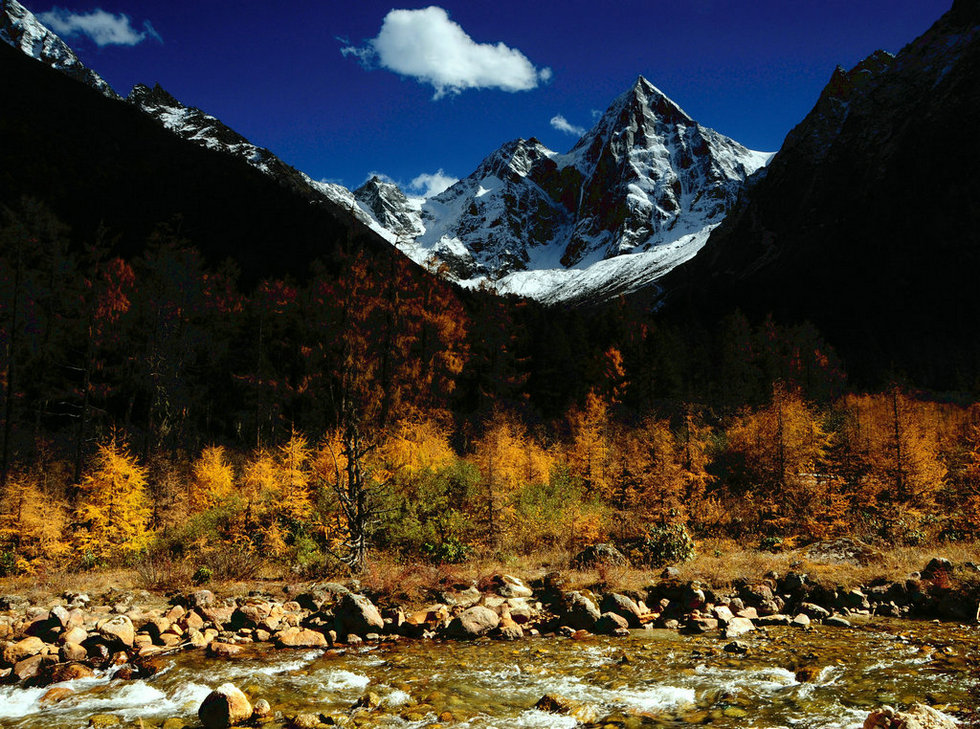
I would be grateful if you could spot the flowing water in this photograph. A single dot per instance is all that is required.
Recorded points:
(824, 678)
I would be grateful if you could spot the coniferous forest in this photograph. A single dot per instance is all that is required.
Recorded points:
(157, 406)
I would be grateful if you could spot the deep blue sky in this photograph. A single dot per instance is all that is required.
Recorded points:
(275, 72)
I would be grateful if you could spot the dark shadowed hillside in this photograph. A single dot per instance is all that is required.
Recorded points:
(866, 222)
(94, 160)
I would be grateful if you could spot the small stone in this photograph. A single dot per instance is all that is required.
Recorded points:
(808, 674)
(261, 709)
(801, 621)
(103, 720)
(737, 647)
(837, 621)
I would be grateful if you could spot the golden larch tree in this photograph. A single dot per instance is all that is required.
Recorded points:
(113, 513)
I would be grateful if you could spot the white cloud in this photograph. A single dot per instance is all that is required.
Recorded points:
(104, 28)
(563, 125)
(428, 185)
(427, 46)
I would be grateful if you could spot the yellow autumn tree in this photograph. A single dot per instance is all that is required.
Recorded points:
(276, 492)
(113, 513)
(500, 455)
(590, 454)
(32, 524)
(212, 480)
(415, 444)
(902, 472)
(777, 454)
(965, 514)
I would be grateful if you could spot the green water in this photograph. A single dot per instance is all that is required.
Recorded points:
(827, 677)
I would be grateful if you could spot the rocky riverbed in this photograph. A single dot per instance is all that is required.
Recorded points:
(770, 652)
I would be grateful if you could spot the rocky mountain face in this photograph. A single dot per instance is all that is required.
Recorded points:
(389, 206)
(22, 30)
(866, 220)
(647, 179)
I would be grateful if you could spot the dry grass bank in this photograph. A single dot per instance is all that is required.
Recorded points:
(719, 563)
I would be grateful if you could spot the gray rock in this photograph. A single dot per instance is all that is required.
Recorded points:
(610, 623)
(801, 621)
(837, 621)
(624, 607)
(599, 554)
(738, 626)
(815, 612)
(357, 614)
(224, 707)
(510, 586)
(918, 716)
(473, 622)
(581, 613)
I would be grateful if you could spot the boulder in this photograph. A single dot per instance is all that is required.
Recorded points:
(73, 635)
(919, 716)
(801, 621)
(843, 550)
(599, 554)
(511, 631)
(60, 672)
(700, 624)
(30, 667)
(72, 652)
(300, 638)
(118, 629)
(25, 648)
(200, 599)
(611, 624)
(473, 622)
(738, 626)
(223, 650)
(224, 707)
(509, 586)
(462, 596)
(937, 566)
(357, 614)
(814, 611)
(556, 704)
(624, 607)
(55, 694)
(722, 613)
(580, 612)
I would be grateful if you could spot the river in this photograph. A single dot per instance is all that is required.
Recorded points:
(825, 678)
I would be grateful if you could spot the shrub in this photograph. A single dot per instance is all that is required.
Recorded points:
(661, 545)
(202, 576)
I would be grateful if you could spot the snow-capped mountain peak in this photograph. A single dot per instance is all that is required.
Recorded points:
(635, 196)
(22, 30)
